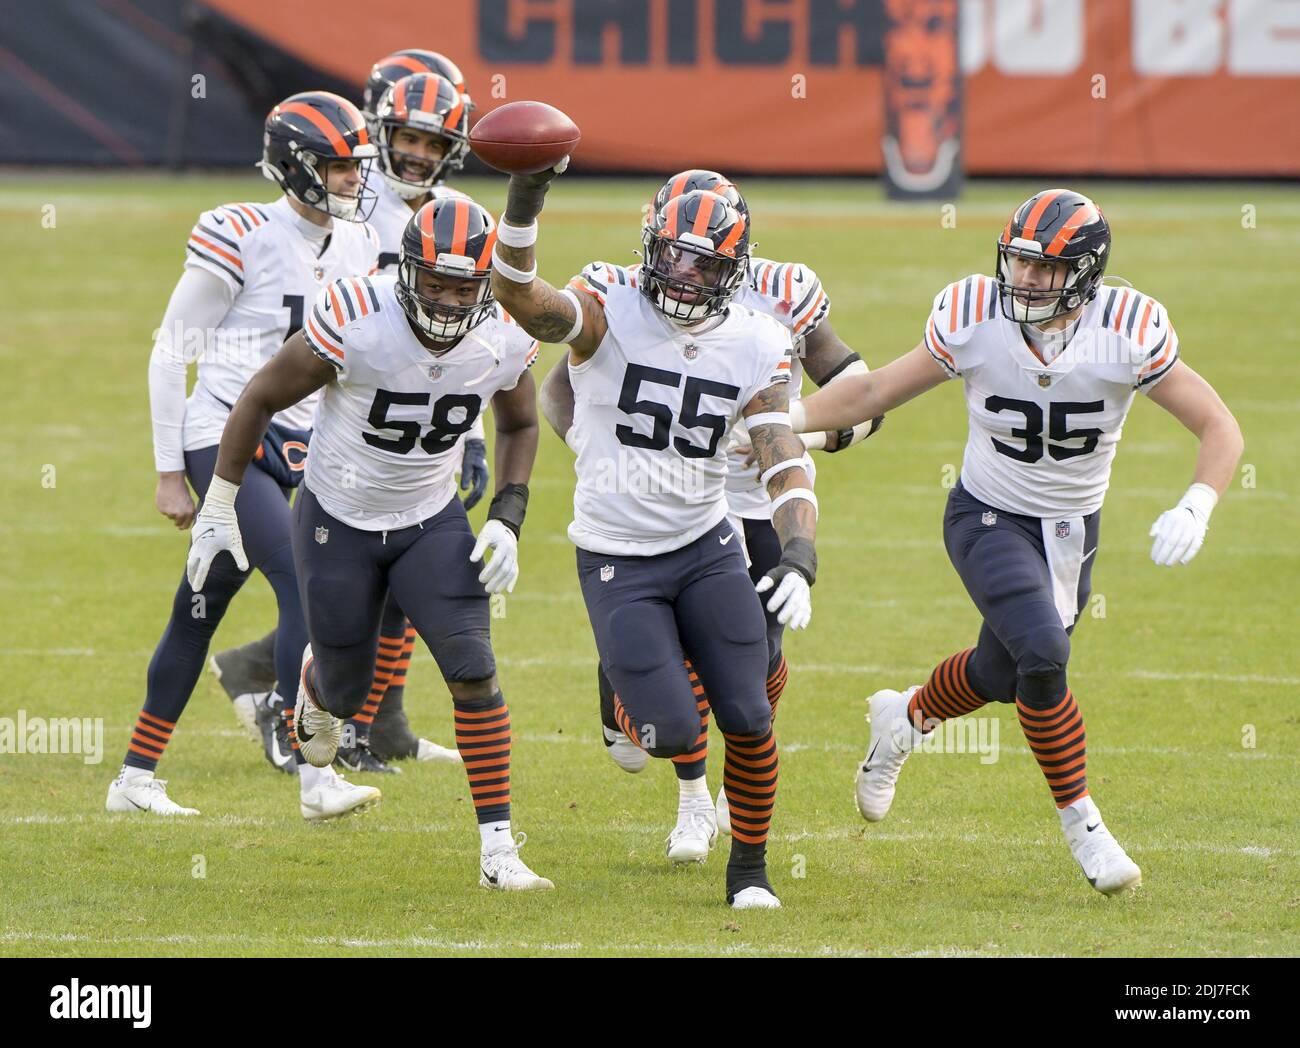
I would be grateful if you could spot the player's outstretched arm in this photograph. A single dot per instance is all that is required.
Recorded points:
(1179, 532)
(557, 399)
(794, 506)
(293, 373)
(515, 411)
(826, 359)
(545, 313)
(860, 398)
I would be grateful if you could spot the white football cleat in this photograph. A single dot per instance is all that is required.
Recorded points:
(624, 752)
(722, 812)
(1105, 864)
(892, 741)
(318, 730)
(431, 751)
(244, 704)
(137, 790)
(693, 836)
(502, 870)
(332, 796)
(755, 898)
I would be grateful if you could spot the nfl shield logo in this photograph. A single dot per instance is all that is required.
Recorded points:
(691, 352)
(606, 572)
(1044, 380)
(435, 372)
(318, 272)
(322, 535)
(1062, 529)
(989, 518)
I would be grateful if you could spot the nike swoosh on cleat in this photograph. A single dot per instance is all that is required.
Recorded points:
(1092, 827)
(303, 734)
(870, 755)
(491, 877)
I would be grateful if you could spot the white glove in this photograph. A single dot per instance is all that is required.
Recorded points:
(502, 571)
(1179, 532)
(215, 529)
(792, 600)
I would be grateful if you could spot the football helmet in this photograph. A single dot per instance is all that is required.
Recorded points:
(453, 238)
(695, 256)
(302, 134)
(1056, 225)
(391, 68)
(425, 102)
(697, 178)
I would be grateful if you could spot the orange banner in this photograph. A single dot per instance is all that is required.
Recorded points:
(1122, 87)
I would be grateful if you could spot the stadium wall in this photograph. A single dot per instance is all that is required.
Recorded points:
(1132, 88)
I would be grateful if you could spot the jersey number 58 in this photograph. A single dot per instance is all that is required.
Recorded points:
(442, 434)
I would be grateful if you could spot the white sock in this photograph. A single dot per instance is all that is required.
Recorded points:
(130, 774)
(693, 792)
(492, 835)
(309, 777)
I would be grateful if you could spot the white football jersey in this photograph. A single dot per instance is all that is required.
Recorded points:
(652, 409)
(380, 451)
(275, 274)
(1043, 435)
(391, 215)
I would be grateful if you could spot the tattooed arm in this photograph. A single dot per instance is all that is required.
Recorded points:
(545, 313)
(794, 514)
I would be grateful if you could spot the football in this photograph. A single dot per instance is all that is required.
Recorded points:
(522, 138)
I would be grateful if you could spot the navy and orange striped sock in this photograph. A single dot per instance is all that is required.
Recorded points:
(691, 764)
(149, 739)
(947, 694)
(386, 661)
(776, 682)
(1057, 738)
(749, 777)
(483, 739)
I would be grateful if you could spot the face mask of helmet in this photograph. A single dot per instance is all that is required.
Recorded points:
(1036, 305)
(393, 162)
(443, 321)
(305, 184)
(686, 279)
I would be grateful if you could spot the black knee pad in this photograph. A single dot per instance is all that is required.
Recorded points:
(1041, 677)
(669, 736)
(751, 720)
(995, 679)
(341, 686)
(466, 657)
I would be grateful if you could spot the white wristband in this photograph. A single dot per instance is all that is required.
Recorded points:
(814, 441)
(798, 416)
(795, 493)
(576, 330)
(517, 236)
(517, 276)
(780, 467)
(220, 493)
(1200, 499)
(768, 418)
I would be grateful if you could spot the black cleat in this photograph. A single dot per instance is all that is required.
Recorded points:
(273, 726)
(391, 737)
(359, 757)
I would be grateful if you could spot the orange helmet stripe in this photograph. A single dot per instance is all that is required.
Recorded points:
(1031, 223)
(428, 248)
(670, 219)
(728, 246)
(1081, 217)
(679, 184)
(1006, 231)
(460, 228)
(399, 100)
(406, 62)
(322, 125)
(702, 218)
(452, 119)
(484, 259)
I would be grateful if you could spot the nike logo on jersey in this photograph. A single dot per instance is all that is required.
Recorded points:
(944, 299)
(1092, 827)
(724, 540)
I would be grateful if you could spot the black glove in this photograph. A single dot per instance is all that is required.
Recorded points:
(526, 194)
(474, 472)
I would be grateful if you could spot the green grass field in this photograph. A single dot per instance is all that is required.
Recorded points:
(1188, 681)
